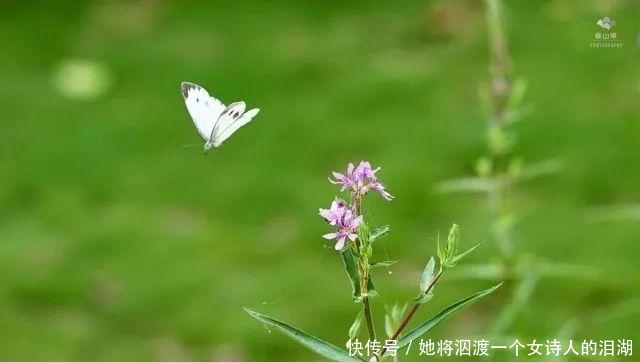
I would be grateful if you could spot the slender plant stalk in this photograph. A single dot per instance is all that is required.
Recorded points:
(499, 62)
(411, 313)
(520, 286)
(363, 272)
(368, 318)
(499, 94)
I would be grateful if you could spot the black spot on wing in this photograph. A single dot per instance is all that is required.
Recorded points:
(186, 87)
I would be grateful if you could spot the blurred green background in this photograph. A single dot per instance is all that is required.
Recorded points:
(117, 243)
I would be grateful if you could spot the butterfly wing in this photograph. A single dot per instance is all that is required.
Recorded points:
(232, 124)
(204, 109)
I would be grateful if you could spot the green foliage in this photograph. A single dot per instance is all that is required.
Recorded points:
(448, 253)
(442, 316)
(351, 267)
(379, 233)
(355, 327)
(393, 318)
(315, 344)
(383, 264)
(457, 258)
(426, 287)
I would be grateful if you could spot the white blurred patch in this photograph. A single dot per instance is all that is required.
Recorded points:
(81, 78)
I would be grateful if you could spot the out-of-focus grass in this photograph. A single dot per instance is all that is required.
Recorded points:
(116, 243)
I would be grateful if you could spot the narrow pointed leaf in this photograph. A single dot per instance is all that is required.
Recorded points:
(443, 315)
(483, 271)
(383, 264)
(350, 266)
(440, 250)
(313, 343)
(388, 325)
(457, 258)
(355, 327)
(452, 243)
(542, 168)
(352, 271)
(427, 275)
(379, 232)
(467, 184)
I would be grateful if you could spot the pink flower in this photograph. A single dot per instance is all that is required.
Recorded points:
(382, 191)
(335, 212)
(364, 173)
(345, 221)
(346, 180)
(360, 179)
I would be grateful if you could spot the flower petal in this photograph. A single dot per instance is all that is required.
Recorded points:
(338, 176)
(330, 236)
(382, 190)
(385, 195)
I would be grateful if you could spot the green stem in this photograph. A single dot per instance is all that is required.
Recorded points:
(499, 60)
(522, 286)
(363, 273)
(500, 89)
(501, 233)
(369, 318)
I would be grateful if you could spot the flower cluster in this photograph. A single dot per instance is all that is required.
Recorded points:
(359, 180)
(344, 219)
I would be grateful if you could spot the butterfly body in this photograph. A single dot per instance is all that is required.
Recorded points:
(214, 121)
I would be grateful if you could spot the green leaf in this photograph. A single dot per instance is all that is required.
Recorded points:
(427, 275)
(355, 327)
(518, 89)
(388, 325)
(443, 315)
(379, 232)
(484, 271)
(383, 264)
(457, 258)
(567, 270)
(348, 258)
(540, 169)
(351, 267)
(364, 233)
(440, 250)
(393, 318)
(452, 241)
(499, 140)
(483, 167)
(465, 185)
(313, 343)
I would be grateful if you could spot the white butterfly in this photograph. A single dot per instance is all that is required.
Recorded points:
(214, 121)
